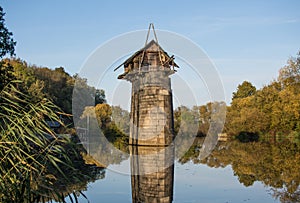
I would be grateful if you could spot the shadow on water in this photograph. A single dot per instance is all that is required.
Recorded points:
(70, 184)
(247, 137)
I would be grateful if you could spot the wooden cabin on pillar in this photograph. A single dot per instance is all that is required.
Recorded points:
(150, 58)
(151, 113)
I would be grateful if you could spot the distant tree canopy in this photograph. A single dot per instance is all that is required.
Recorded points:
(56, 85)
(274, 109)
(246, 89)
(112, 121)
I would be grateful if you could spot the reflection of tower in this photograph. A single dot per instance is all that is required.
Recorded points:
(152, 174)
(151, 115)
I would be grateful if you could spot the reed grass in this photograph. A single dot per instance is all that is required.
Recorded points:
(29, 150)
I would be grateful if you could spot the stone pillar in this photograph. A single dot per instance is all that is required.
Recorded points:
(151, 107)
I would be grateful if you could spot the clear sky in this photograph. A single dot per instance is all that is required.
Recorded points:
(247, 40)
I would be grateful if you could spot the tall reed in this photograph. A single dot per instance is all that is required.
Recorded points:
(28, 148)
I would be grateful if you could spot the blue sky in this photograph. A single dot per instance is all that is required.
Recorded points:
(246, 40)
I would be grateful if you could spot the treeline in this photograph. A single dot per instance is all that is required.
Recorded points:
(270, 111)
(54, 84)
(57, 86)
(36, 164)
(273, 109)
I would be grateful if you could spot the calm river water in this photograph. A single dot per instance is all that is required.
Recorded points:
(235, 172)
(192, 183)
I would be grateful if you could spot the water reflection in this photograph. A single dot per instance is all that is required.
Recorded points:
(152, 174)
(269, 171)
(74, 184)
(276, 165)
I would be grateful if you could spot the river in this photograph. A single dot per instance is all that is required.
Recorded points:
(234, 172)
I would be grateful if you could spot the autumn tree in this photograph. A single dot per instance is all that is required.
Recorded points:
(58, 86)
(290, 73)
(273, 109)
(103, 114)
(245, 89)
(204, 120)
(6, 74)
(186, 120)
(101, 120)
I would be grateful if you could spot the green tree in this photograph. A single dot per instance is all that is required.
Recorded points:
(23, 72)
(7, 44)
(212, 112)
(100, 97)
(84, 94)
(103, 114)
(58, 86)
(273, 109)
(103, 119)
(246, 89)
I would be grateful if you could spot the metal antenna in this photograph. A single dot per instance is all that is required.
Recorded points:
(151, 25)
(146, 42)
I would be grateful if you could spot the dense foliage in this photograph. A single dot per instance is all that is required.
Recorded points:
(274, 109)
(56, 85)
(33, 157)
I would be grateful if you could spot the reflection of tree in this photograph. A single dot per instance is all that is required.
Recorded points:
(285, 196)
(73, 182)
(193, 152)
(75, 186)
(121, 118)
(276, 166)
(104, 136)
(202, 116)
